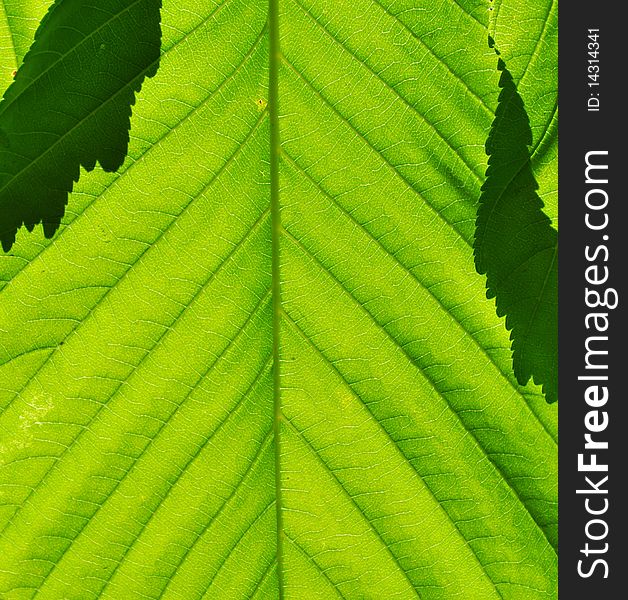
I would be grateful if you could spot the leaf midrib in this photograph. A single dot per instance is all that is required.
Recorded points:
(275, 208)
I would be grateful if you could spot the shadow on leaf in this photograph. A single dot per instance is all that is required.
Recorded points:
(516, 245)
(70, 105)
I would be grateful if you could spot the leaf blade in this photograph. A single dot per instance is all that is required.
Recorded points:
(409, 454)
(70, 105)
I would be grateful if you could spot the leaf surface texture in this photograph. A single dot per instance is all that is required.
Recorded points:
(70, 105)
(140, 402)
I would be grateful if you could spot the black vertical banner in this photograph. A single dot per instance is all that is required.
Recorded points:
(593, 263)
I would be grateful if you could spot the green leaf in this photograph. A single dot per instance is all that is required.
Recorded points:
(526, 34)
(257, 361)
(70, 105)
(516, 246)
